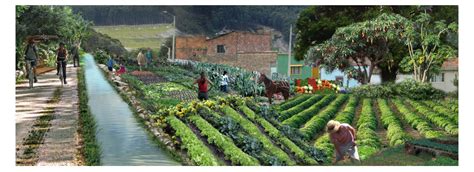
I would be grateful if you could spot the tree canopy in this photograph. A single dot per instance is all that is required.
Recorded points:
(365, 44)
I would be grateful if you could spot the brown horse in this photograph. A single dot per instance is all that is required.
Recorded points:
(272, 87)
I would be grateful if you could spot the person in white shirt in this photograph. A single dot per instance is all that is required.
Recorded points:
(224, 82)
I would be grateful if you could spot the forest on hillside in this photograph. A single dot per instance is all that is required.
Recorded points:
(196, 19)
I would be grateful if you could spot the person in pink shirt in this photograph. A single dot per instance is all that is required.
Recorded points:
(343, 137)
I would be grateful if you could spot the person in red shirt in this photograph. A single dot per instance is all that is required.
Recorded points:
(202, 86)
(343, 137)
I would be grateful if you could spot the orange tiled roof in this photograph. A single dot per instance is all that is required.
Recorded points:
(450, 64)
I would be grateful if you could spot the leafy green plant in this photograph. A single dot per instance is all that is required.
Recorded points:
(415, 121)
(293, 102)
(435, 118)
(274, 133)
(237, 156)
(367, 138)
(395, 132)
(252, 130)
(407, 89)
(300, 107)
(318, 122)
(442, 110)
(197, 151)
(301, 118)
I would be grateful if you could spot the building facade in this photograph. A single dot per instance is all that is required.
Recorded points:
(251, 51)
(445, 79)
(297, 67)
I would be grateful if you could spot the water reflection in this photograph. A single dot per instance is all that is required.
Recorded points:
(122, 139)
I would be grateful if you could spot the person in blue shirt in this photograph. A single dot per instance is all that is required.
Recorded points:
(149, 56)
(110, 64)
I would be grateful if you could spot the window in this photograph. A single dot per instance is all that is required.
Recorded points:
(220, 49)
(296, 70)
(438, 78)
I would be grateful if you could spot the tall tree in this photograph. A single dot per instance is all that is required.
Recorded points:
(427, 50)
(367, 44)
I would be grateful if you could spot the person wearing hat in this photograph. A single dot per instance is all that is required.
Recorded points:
(343, 137)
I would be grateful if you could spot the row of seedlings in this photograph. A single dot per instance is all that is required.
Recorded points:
(435, 118)
(299, 119)
(416, 122)
(367, 138)
(443, 110)
(395, 132)
(318, 122)
(293, 102)
(275, 134)
(300, 107)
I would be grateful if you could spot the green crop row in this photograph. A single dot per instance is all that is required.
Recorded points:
(300, 107)
(416, 121)
(253, 131)
(346, 116)
(275, 133)
(196, 150)
(435, 118)
(443, 110)
(452, 104)
(395, 133)
(318, 122)
(301, 118)
(366, 136)
(293, 102)
(236, 156)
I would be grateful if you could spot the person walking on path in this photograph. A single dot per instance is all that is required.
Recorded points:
(75, 55)
(62, 59)
(224, 82)
(343, 137)
(31, 56)
(202, 86)
(141, 59)
(149, 56)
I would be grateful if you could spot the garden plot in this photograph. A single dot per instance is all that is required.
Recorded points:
(147, 77)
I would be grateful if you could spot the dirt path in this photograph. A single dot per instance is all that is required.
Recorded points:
(59, 145)
(381, 131)
(357, 114)
(407, 127)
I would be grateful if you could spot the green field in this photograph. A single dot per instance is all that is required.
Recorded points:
(240, 131)
(137, 36)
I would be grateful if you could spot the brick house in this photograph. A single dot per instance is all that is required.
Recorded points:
(251, 51)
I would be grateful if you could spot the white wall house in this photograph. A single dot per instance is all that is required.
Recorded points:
(442, 81)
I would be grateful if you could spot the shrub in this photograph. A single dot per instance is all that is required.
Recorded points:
(408, 89)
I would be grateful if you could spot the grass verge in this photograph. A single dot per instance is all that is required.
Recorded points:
(90, 149)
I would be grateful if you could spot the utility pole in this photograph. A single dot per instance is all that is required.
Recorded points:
(289, 54)
(174, 36)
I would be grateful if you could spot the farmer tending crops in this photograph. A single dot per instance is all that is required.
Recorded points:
(343, 137)
(202, 86)
(141, 59)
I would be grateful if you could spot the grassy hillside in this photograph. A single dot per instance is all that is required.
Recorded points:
(138, 36)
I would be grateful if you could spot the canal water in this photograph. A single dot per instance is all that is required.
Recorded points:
(123, 141)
